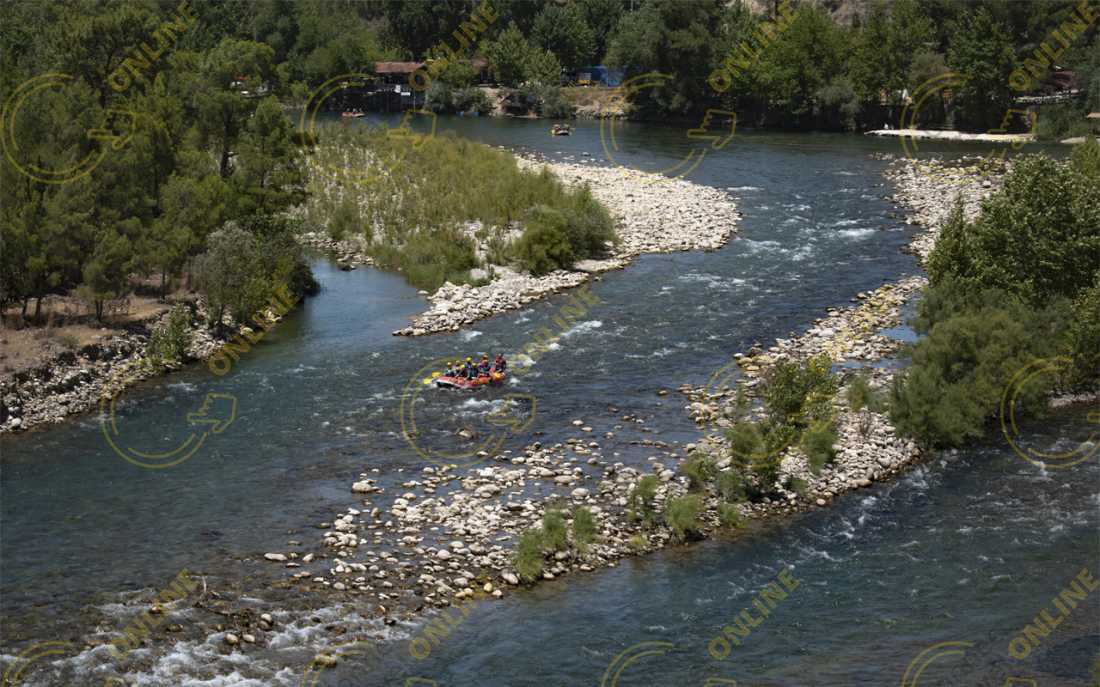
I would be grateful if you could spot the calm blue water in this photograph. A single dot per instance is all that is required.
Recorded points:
(969, 548)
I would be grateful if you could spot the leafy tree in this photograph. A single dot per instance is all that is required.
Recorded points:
(885, 48)
(961, 369)
(269, 174)
(509, 56)
(542, 67)
(222, 109)
(1038, 238)
(669, 37)
(982, 54)
(801, 60)
(601, 16)
(229, 275)
(564, 32)
(107, 272)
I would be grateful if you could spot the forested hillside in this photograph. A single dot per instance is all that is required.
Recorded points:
(136, 128)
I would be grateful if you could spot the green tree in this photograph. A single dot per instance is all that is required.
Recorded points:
(802, 60)
(564, 31)
(107, 272)
(1038, 238)
(982, 54)
(669, 37)
(230, 276)
(509, 56)
(885, 47)
(601, 16)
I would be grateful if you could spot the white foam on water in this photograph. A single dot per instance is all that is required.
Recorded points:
(580, 328)
(744, 188)
(470, 335)
(856, 233)
(478, 403)
(846, 222)
(806, 251)
(182, 386)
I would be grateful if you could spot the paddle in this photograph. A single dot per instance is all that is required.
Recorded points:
(429, 380)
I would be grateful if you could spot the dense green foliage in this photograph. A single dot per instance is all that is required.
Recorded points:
(1016, 285)
(584, 529)
(364, 177)
(682, 516)
(640, 505)
(168, 343)
(699, 469)
(528, 559)
(195, 147)
(729, 515)
(797, 411)
(554, 533)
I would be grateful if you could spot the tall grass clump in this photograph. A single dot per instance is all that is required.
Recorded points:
(682, 516)
(528, 559)
(584, 529)
(640, 506)
(554, 533)
(699, 469)
(415, 199)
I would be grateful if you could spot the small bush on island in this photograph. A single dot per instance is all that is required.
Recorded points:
(699, 469)
(584, 529)
(731, 486)
(682, 516)
(818, 443)
(729, 515)
(858, 393)
(797, 394)
(640, 505)
(554, 533)
(528, 559)
(544, 246)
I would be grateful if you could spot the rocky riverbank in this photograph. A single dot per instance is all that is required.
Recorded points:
(652, 213)
(447, 535)
(75, 382)
(929, 189)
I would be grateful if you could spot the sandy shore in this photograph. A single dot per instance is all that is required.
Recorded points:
(953, 135)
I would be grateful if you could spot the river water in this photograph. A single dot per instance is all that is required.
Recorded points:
(967, 548)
